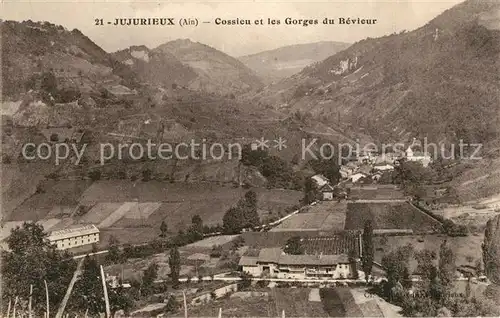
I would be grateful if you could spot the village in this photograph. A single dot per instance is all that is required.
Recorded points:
(317, 245)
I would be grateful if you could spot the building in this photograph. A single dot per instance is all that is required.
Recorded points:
(274, 263)
(327, 192)
(320, 180)
(325, 257)
(74, 237)
(414, 153)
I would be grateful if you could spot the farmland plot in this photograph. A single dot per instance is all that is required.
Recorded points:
(390, 216)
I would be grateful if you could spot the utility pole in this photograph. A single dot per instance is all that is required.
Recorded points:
(105, 289)
(185, 304)
(29, 304)
(47, 298)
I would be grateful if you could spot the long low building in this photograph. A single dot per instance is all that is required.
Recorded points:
(74, 237)
(273, 262)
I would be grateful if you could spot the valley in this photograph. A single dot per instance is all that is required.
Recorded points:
(353, 229)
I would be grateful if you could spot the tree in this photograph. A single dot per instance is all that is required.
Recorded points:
(327, 167)
(310, 191)
(354, 264)
(368, 250)
(242, 216)
(172, 305)
(248, 209)
(119, 299)
(294, 246)
(146, 175)
(197, 223)
(175, 265)
(163, 229)
(54, 137)
(30, 260)
(446, 266)
(149, 276)
(88, 292)
(95, 175)
(113, 250)
(246, 281)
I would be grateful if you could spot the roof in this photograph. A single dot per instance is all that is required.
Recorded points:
(326, 188)
(320, 179)
(336, 244)
(288, 259)
(72, 232)
(270, 255)
(248, 261)
(276, 255)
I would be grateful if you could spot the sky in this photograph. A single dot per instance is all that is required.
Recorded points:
(236, 40)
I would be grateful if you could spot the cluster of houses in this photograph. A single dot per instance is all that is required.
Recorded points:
(370, 166)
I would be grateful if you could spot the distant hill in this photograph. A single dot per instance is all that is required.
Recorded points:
(194, 65)
(274, 65)
(156, 67)
(440, 81)
(32, 48)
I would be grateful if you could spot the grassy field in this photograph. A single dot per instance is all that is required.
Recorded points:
(389, 216)
(376, 193)
(325, 216)
(54, 193)
(467, 249)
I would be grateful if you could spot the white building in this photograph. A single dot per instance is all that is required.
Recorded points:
(74, 237)
(414, 153)
(274, 263)
(320, 180)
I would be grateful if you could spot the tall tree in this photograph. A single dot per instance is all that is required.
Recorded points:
(248, 209)
(163, 229)
(172, 305)
(368, 250)
(447, 266)
(113, 254)
(175, 265)
(149, 276)
(197, 223)
(310, 191)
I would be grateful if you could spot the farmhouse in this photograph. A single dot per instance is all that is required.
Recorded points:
(273, 262)
(74, 237)
(326, 257)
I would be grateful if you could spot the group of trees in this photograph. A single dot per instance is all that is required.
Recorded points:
(278, 172)
(88, 294)
(434, 295)
(243, 215)
(31, 261)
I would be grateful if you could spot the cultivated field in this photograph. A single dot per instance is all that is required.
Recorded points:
(133, 211)
(376, 192)
(467, 249)
(389, 216)
(53, 194)
(294, 301)
(324, 216)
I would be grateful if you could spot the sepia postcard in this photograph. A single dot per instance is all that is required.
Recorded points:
(327, 158)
